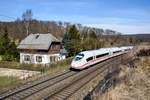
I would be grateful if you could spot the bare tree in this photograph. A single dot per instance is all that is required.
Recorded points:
(27, 18)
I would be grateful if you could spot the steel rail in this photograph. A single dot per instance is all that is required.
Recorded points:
(31, 85)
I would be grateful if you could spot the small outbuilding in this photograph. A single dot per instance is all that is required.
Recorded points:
(40, 49)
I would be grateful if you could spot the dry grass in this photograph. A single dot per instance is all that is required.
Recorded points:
(8, 82)
(134, 83)
(64, 64)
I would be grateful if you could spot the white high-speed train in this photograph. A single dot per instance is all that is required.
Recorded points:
(87, 58)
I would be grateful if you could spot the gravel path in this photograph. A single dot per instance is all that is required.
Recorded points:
(21, 74)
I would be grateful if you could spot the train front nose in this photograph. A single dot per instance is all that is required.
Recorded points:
(77, 61)
(73, 64)
(76, 65)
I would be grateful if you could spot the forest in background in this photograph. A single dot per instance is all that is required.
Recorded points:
(17, 29)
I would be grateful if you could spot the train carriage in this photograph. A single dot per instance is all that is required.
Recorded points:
(87, 58)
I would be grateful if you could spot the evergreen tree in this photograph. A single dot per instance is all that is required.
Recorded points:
(4, 42)
(74, 33)
(8, 49)
(71, 41)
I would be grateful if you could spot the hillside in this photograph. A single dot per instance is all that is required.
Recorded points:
(143, 37)
(134, 85)
(17, 29)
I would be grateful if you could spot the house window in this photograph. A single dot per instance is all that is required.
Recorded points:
(56, 58)
(27, 58)
(53, 58)
(38, 58)
(53, 47)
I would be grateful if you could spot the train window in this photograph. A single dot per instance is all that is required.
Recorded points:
(80, 54)
(126, 49)
(117, 51)
(79, 57)
(101, 55)
(88, 59)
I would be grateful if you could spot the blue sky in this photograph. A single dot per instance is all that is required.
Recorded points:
(126, 16)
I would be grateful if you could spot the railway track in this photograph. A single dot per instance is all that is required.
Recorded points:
(29, 89)
(59, 86)
(71, 88)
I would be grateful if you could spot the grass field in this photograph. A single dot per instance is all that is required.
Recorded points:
(8, 82)
(42, 68)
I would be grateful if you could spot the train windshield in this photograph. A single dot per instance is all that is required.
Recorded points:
(79, 57)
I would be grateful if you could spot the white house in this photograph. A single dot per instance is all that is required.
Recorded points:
(40, 49)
